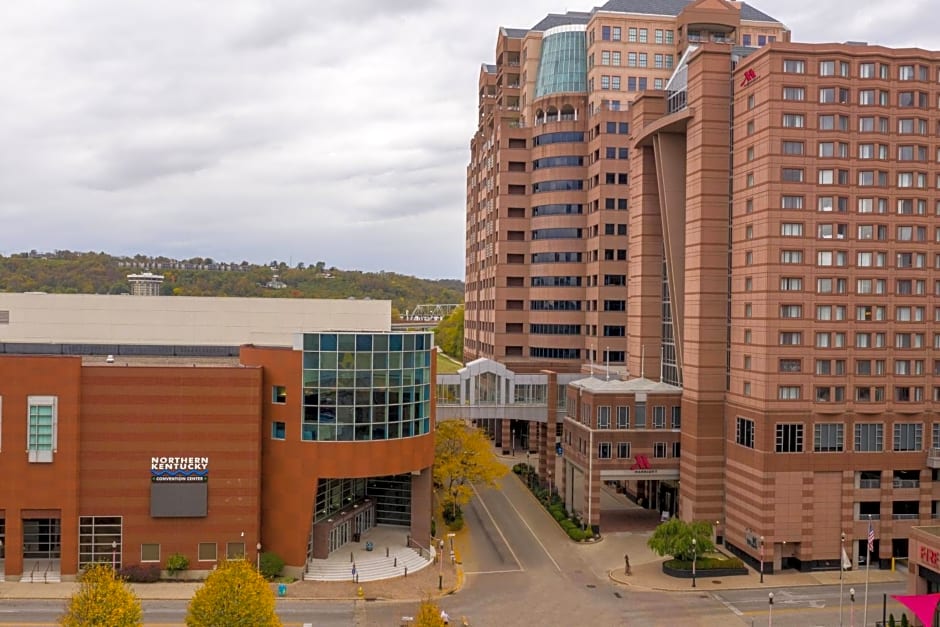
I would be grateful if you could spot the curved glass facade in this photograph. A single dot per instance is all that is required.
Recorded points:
(563, 64)
(366, 386)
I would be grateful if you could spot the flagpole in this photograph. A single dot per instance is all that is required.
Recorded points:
(868, 548)
(841, 576)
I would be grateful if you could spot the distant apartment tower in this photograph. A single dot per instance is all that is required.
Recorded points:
(146, 284)
(548, 184)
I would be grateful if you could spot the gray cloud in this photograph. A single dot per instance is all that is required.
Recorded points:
(288, 129)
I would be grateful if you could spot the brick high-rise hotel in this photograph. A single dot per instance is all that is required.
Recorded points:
(679, 191)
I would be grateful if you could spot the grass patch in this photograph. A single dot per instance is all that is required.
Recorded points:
(446, 365)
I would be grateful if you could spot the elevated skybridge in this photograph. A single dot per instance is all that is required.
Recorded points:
(429, 312)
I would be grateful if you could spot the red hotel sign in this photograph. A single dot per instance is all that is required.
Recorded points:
(749, 77)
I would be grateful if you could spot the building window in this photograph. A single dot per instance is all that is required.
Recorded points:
(149, 552)
(623, 450)
(207, 552)
(279, 394)
(829, 438)
(789, 438)
(676, 417)
(95, 535)
(603, 450)
(603, 417)
(744, 432)
(794, 66)
(42, 422)
(869, 438)
(235, 550)
(908, 436)
(278, 430)
(659, 417)
(660, 451)
(788, 393)
(623, 417)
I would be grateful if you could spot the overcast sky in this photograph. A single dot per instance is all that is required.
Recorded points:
(296, 130)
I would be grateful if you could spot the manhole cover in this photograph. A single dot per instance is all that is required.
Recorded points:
(591, 585)
(617, 594)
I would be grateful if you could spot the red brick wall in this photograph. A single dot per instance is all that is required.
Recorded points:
(132, 414)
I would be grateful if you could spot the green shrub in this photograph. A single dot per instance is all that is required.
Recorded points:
(456, 524)
(433, 528)
(706, 563)
(271, 565)
(177, 563)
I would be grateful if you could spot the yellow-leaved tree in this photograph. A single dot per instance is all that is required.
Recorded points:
(235, 594)
(103, 600)
(462, 457)
(429, 615)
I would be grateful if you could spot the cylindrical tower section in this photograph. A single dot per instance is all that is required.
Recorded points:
(563, 65)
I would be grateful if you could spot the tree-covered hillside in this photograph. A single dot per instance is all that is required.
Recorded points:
(99, 273)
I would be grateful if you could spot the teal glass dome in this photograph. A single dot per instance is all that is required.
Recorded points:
(563, 63)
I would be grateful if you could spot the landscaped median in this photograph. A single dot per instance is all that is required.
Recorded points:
(569, 522)
(691, 543)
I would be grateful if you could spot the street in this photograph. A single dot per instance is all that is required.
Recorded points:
(521, 569)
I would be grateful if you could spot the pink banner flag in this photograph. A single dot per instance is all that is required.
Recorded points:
(923, 605)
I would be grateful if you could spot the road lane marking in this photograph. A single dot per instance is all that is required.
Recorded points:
(534, 535)
(492, 572)
(498, 530)
(728, 605)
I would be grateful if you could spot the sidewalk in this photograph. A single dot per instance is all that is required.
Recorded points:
(414, 587)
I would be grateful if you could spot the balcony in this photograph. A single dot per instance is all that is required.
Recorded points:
(869, 483)
(933, 458)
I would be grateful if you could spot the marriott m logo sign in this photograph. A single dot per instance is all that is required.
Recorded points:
(641, 462)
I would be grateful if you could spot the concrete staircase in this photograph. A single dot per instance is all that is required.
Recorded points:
(371, 568)
(42, 572)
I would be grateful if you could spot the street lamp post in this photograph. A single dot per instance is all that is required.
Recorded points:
(114, 555)
(770, 610)
(512, 441)
(852, 607)
(841, 576)
(694, 555)
(258, 555)
(762, 559)
(717, 532)
(549, 485)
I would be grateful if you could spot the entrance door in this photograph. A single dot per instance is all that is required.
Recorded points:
(42, 538)
(41, 546)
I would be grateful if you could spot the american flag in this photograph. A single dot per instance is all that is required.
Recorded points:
(871, 537)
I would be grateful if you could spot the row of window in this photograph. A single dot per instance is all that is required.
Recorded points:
(863, 259)
(862, 394)
(830, 437)
(863, 339)
(865, 178)
(634, 35)
(634, 59)
(866, 124)
(838, 285)
(863, 313)
(840, 204)
(863, 367)
(866, 69)
(622, 416)
(903, 233)
(866, 97)
(866, 151)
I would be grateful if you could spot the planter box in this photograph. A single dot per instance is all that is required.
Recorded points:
(682, 573)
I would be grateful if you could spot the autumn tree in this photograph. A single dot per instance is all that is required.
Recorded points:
(449, 334)
(235, 594)
(463, 457)
(674, 538)
(102, 600)
(429, 615)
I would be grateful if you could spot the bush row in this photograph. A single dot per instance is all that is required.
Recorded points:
(554, 505)
(706, 563)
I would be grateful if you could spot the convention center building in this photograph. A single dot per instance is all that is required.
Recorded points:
(210, 427)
